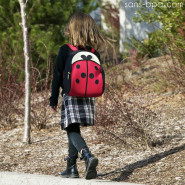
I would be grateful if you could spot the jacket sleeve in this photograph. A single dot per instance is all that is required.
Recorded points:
(57, 76)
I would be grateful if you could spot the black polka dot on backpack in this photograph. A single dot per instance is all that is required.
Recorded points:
(77, 81)
(83, 75)
(91, 75)
(78, 66)
(97, 82)
(96, 67)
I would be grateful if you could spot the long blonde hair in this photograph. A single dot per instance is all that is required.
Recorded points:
(83, 31)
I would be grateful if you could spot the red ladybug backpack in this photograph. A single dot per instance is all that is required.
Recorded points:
(83, 74)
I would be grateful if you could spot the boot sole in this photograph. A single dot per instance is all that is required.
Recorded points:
(91, 172)
(70, 176)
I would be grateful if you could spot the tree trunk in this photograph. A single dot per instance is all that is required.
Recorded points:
(27, 126)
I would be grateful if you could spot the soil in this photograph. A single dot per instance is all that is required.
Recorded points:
(163, 162)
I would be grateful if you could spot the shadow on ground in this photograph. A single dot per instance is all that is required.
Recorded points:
(129, 169)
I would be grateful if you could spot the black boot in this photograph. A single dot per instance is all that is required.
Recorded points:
(91, 163)
(71, 171)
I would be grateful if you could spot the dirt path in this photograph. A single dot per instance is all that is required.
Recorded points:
(162, 164)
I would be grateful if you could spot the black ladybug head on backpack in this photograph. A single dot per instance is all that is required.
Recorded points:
(83, 74)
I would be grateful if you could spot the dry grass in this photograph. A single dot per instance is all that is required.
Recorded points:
(162, 163)
(140, 138)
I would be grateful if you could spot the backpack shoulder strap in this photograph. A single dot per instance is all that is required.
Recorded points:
(93, 50)
(72, 47)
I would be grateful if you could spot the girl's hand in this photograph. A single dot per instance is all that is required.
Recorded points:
(53, 108)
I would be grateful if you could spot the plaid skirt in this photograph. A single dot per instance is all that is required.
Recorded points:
(77, 110)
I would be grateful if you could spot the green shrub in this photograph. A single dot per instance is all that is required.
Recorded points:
(150, 46)
(172, 33)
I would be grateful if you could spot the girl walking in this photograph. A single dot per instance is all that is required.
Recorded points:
(83, 35)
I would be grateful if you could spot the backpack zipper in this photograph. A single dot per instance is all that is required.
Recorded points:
(68, 75)
(87, 78)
